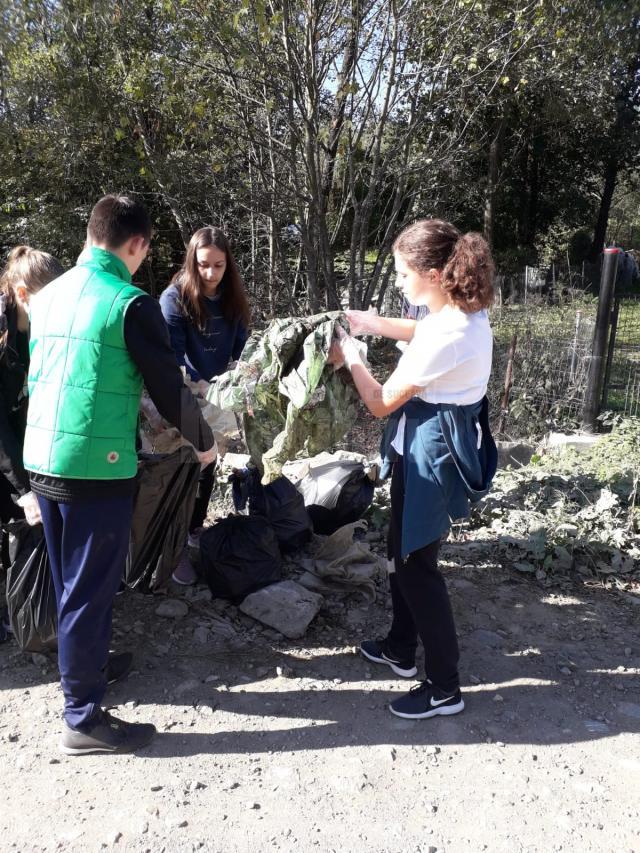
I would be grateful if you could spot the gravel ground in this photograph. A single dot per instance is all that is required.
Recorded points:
(272, 744)
(266, 743)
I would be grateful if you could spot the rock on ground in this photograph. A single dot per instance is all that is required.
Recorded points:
(173, 608)
(285, 606)
(514, 453)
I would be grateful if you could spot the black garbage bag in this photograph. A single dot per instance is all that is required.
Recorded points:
(31, 598)
(279, 502)
(165, 496)
(5, 628)
(239, 555)
(336, 494)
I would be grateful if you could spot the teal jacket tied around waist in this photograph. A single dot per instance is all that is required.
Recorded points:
(449, 460)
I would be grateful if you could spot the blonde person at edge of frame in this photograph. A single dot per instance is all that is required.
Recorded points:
(26, 272)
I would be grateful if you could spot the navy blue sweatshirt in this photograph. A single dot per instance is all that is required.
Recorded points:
(205, 353)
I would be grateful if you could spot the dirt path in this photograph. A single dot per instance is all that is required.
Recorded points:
(269, 745)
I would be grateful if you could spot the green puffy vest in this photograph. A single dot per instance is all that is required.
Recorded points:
(84, 388)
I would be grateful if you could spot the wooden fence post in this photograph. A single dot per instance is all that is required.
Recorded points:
(504, 405)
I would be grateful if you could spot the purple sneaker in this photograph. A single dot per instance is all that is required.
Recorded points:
(193, 540)
(184, 573)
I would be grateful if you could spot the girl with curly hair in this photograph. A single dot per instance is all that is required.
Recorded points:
(437, 444)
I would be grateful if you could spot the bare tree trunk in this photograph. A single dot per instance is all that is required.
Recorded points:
(384, 284)
(620, 145)
(495, 161)
(602, 222)
(273, 255)
(253, 228)
(534, 192)
(336, 121)
(157, 173)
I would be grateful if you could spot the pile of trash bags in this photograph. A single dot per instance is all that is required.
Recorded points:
(242, 553)
(238, 554)
(279, 502)
(337, 488)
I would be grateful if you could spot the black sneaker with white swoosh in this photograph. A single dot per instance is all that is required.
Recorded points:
(425, 700)
(377, 651)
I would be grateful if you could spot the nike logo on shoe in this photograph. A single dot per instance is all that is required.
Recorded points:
(420, 703)
(435, 702)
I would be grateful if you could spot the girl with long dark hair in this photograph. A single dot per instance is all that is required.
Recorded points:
(207, 312)
(437, 444)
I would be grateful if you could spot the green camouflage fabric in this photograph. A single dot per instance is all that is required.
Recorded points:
(291, 400)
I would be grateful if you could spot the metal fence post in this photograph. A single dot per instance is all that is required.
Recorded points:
(610, 352)
(593, 395)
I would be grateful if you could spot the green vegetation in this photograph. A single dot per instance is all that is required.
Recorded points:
(613, 461)
(571, 512)
(313, 132)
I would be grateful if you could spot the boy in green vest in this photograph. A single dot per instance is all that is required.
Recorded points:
(95, 340)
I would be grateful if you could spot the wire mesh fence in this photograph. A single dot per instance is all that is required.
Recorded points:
(622, 379)
(542, 353)
(545, 351)
(555, 283)
(543, 326)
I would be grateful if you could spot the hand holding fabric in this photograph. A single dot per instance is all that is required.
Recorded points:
(206, 457)
(344, 350)
(362, 322)
(202, 386)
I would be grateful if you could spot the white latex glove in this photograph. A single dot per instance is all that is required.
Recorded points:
(206, 457)
(344, 350)
(362, 322)
(31, 507)
(202, 387)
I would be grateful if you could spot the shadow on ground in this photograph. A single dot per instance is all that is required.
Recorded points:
(537, 667)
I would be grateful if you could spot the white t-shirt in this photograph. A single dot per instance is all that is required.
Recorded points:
(449, 357)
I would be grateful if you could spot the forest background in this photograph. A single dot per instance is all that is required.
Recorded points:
(313, 130)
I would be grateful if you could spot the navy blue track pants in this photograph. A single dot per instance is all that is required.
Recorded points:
(87, 542)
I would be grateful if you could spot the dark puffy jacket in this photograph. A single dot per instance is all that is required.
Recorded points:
(14, 364)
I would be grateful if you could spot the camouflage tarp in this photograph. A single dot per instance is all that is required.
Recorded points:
(289, 397)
